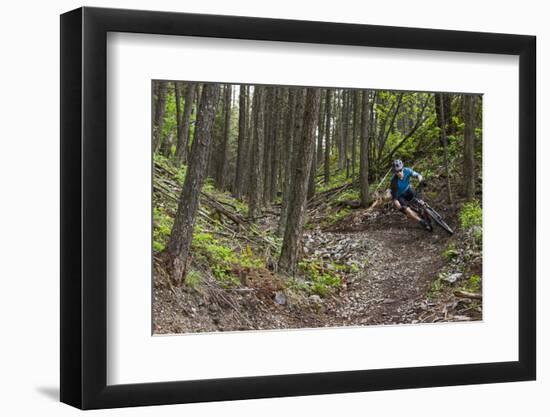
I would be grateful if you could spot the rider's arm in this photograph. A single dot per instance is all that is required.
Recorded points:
(416, 175)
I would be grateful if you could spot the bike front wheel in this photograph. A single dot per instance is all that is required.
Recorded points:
(435, 216)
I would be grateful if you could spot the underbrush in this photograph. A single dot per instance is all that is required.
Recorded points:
(223, 260)
(463, 254)
(471, 220)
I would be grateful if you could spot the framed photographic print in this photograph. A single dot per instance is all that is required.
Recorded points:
(256, 207)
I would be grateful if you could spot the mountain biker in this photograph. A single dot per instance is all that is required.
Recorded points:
(402, 192)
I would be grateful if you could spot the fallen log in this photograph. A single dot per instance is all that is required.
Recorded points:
(215, 204)
(466, 294)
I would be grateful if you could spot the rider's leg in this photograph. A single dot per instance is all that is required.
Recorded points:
(404, 207)
(411, 214)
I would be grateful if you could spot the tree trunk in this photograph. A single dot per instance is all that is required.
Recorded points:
(298, 201)
(289, 152)
(340, 110)
(249, 143)
(469, 142)
(241, 144)
(221, 170)
(183, 136)
(327, 136)
(276, 126)
(321, 131)
(268, 142)
(179, 116)
(256, 172)
(296, 139)
(158, 121)
(347, 106)
(446, 110)
(364, 153)
(356, 130)
(445, 150)
(179, 243)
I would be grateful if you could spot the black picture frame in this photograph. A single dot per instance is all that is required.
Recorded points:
(84, 207)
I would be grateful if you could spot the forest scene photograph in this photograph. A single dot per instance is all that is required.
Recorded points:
(288, 207)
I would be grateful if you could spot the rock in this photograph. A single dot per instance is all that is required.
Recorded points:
(315, 299)
(452, 278)
(280, 298)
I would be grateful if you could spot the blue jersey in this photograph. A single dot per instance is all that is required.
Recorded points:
(399, 187)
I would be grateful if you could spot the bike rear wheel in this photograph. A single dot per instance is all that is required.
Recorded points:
(439, 220)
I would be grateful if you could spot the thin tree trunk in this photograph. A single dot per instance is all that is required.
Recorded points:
(241, 143)
(469, 141)
(364, 153)
(321, 130)
(179, 114)
(356, 127)
(268, 143)
(340, 109)
(221, 170)
(443, 104)
(256, 173)
(179, 243)
(158, 120)
(445, 150)
(296, 218)
(346, 113)
(289, 146)
(183, 136)
(249, 144)
(276, 126)
(327, 136)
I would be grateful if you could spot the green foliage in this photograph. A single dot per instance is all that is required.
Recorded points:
(436, 286)
(450, 252)
(193, 279)
(471, 215)
(320, 280)
(170, 112)
(222, 259)
(473, 284)
(162, 226)
(471, 218)
(336, 216)
(352, 194)
(180, 174)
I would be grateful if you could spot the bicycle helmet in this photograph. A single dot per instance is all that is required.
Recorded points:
(397, 165)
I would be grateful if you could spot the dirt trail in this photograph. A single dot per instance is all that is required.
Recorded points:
(402, 260)
(399, 260)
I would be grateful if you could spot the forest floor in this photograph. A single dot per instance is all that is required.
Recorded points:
(399, 276)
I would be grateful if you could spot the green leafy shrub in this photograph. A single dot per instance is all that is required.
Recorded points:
(336, 216)
(319, 279)
(473, 284)
(162, 226)
(471, 215)
(471, 218)
(223, 259)
(450, 252)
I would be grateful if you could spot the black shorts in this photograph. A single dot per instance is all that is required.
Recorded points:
(406, 198)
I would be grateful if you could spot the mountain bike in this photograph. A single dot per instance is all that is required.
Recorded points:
(426, 212)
